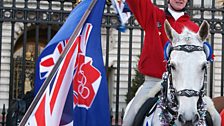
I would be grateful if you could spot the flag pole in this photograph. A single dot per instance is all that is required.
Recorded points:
(60, 59)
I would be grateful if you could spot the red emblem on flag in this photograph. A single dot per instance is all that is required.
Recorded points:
(85, 78)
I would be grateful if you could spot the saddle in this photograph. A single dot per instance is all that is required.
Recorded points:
(149, 107)
(145, 110)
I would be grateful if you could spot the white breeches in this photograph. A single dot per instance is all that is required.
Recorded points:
(143, 93)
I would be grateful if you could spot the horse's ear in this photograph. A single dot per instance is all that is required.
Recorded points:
(170, 32)
(203, 30)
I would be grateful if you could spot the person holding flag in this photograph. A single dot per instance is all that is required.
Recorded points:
(70, 85)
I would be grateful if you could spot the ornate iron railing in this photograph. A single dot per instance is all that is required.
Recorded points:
(27, 25)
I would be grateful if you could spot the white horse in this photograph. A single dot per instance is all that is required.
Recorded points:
(182, 101)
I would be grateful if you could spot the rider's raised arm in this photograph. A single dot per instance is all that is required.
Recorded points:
(144, 11)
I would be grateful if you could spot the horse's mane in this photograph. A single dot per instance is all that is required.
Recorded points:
(187, 33)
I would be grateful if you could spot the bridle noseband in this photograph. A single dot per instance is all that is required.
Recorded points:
(169, 106)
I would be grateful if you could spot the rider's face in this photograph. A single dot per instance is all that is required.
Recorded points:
(178, 4)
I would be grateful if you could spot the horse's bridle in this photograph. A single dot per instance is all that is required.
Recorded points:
(169, 106)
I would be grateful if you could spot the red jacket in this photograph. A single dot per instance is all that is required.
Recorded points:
(222, 117)
(151, 19)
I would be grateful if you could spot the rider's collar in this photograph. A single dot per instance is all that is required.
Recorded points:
(176, 14)
(170, 15)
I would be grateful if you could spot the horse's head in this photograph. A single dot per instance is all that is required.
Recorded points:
(187, 61)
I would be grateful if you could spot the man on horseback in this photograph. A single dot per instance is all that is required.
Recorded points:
(151, 62)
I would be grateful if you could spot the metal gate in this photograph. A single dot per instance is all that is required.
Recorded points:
(27, 25)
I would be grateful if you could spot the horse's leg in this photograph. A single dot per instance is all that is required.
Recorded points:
(213, 112)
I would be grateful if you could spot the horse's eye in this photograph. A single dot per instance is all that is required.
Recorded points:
(204, 66)
(173, 66)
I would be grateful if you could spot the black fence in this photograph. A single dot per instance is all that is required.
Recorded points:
(26, 27)
(15, 114)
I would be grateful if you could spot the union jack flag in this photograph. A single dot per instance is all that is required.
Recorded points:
(77, 95)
